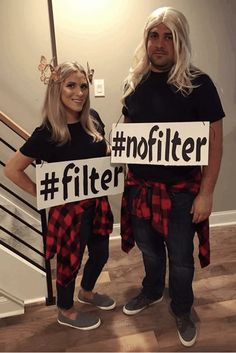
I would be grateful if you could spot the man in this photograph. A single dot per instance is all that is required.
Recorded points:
(163, 206)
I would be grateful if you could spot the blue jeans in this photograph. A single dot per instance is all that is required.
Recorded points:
(98, 252)
(178, 245)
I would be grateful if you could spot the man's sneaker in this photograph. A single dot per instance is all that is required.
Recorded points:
(101, 301)
(186, 329)
(83, 321)
(137, 304)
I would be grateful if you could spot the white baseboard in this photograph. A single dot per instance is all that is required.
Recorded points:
(223, 218)
(39, 300)
(217, 219)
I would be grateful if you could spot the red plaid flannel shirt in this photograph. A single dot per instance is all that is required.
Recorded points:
(159, 215)
(63, 234)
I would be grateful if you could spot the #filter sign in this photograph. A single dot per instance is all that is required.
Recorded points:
(63, 182)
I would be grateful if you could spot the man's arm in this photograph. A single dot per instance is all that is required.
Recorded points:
(202, 205)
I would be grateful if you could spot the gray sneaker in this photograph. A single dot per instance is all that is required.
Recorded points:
(186, 329)
(83, 321)
(137, 304)
(101, 301)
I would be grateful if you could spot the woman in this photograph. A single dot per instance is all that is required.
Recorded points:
(70, 131)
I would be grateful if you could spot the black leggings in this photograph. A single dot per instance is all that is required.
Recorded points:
(98, 252)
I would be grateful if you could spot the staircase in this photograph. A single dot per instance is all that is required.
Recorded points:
(21, 282)
(25, 275)
(10, 306)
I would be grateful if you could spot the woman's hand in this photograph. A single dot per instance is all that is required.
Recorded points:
(202, 207)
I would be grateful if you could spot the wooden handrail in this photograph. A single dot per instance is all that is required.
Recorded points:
(13, 126)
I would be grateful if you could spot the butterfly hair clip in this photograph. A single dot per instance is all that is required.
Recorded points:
(90, 73)
(48, 71)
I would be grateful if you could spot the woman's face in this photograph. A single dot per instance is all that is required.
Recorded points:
(74, 94)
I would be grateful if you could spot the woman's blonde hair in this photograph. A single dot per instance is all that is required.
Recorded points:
(54, 115)
(183, 72)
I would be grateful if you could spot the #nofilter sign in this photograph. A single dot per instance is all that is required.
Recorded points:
(62, 182)
(161, 143)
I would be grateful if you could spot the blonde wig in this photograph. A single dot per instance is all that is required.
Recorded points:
(54, 115)
(183, 72)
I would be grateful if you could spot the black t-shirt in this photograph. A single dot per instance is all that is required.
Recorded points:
(156, 101)
(40, 146)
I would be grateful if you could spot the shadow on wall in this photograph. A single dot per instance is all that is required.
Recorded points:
(115, 201)
(231, 28)
(228, 173)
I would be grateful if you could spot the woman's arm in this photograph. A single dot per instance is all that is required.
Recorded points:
(127, 120)
(15, 171)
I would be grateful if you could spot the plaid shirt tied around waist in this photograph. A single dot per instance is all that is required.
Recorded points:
(63, 234)
(159, 214)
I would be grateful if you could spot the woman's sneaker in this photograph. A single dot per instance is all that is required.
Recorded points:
(83, 321)
(101, 301)
(139, 303)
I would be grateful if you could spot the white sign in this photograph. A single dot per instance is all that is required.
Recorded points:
(161, 143)
(63, 182)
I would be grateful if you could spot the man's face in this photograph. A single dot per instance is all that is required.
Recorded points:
(160, 48)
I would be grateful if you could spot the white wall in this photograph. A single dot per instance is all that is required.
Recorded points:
(24, 37)
(106, 33)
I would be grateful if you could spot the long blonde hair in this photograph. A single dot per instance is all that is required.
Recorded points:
(54, 115)
(182, 72)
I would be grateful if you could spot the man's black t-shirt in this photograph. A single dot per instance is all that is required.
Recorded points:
(156, 101)
(40, 146)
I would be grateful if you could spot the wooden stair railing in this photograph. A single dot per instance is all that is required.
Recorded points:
(13, 126)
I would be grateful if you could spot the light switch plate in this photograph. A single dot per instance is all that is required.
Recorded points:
(99, 89)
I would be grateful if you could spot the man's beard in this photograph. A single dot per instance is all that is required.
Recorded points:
(161, 67)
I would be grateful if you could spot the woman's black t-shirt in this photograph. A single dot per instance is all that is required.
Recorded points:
(40, 146)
